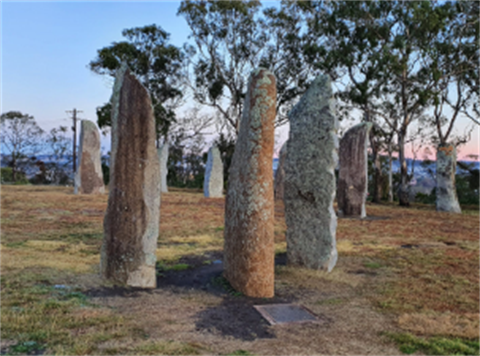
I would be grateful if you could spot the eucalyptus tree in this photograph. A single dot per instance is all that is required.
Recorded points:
(453, 57)
(158, 64)
(379, 51)
(20, 138)
(232, 38)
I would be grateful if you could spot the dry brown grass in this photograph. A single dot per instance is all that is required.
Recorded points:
(430, 286)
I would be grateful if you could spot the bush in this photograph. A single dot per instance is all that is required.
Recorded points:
(7, 176)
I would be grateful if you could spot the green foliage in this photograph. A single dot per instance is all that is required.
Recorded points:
(409, 344)
(21, 139)
(7, 176)
(26, 348)
(225, 284)
(157, 64)
(233, 38)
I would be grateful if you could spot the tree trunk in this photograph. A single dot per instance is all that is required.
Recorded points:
(14, 169)
(390, 173)
(403, 189)
(377, 172)
(446, 168)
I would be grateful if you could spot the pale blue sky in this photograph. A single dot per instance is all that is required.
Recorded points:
(46, 47)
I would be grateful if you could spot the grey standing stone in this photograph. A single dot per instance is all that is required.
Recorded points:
(163, 158)
(131, 223)
(353, 173)
(446, 168)
(213, 183)
(312, 155)
(280, 173)
(249, 209)
(89, 175)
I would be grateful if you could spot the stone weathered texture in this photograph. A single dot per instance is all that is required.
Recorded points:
(131, 223)
(446, 168)
(353, 173)
(312, 155)
(163, 158)
(249, 206)
(89, 176)
(213, 183)
(280, 173)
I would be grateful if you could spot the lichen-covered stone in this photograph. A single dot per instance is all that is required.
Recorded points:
(312, 155)
(249, 208)
(446, 168)
(213, 182)
(131, 223)
(280, 173)
(89, 175)
(353, 173)
(163, 158)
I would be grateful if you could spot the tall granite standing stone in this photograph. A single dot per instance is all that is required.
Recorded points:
(353, 174)
(89, 175)
(249, 208)
(280, 173)
(312, 155)
(446, 168)
(213, 183)
(163, 158)
(131, 223)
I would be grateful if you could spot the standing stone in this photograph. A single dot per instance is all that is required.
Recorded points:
(163, 158)
(213, 183)
(280, 173)
(128, 254)
(89, 175)
(249, 209)
(353, 174)
(312, 155)
(446, 168)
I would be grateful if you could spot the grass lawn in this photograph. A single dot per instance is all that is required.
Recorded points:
(406, 281)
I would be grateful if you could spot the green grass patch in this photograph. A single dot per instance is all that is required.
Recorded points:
(409, 344)
(373, 265)
(331, 301)
(240, 353)
(225, 284)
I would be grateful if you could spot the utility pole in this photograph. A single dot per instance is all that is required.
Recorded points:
(74, 128)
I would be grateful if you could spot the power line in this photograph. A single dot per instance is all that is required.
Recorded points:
(74, 129)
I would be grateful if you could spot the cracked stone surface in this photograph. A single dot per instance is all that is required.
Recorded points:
(89, 175)
(249, 207)
(131, 223)
(213, 183)
(353, 173)
(312, 155)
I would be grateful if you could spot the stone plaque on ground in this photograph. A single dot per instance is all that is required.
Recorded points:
(353, 173)
(312, 155)
(249, 208)
(285, 313)
(280, 173)
(213, 182)
(447, 199)
(131, 223)
(163, 158)
(89, 175)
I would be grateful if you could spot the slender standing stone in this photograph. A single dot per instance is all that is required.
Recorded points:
(446, 168)
(312, 155)
(89, 175)
(163, 158)
(249, 208)
(213, 183)
(280, 173)
(353, 174)
(128, 254)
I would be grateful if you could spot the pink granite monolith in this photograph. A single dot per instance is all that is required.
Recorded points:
(353, 173)
(131, 223)
(249, 208)
(89, 175)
